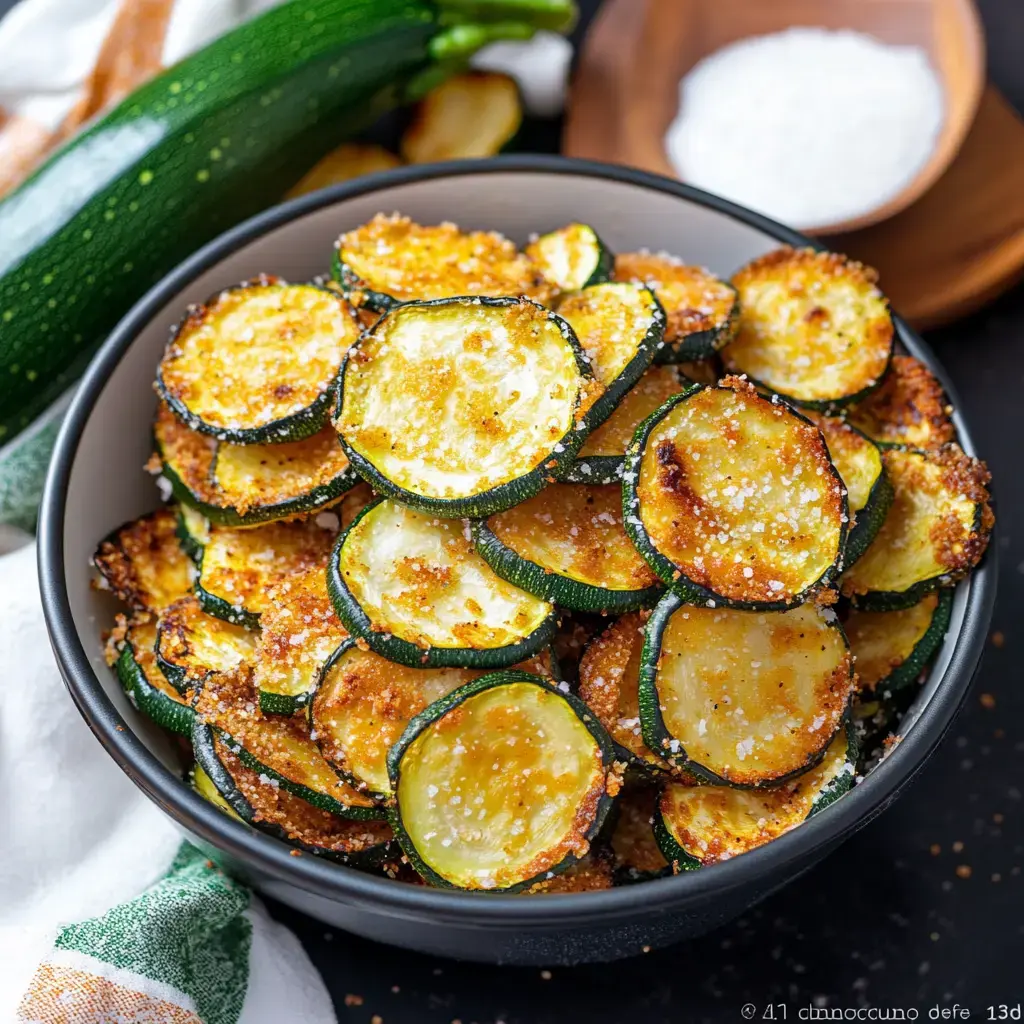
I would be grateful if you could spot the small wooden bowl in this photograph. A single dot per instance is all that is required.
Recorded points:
(627, 88)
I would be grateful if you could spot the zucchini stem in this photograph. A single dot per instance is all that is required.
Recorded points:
(460, 42)
(553, 15)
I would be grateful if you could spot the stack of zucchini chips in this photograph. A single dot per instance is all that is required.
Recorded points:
(538, 570)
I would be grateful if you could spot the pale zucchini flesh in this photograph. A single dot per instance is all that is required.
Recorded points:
(517, 755)
(603, 455)
(702, 311)
(568, 545)
(743, 698)
(392, 259)
(193, 531)
(701, 825)
(258, 362)
(620, 326)
(890, 649)
(239, 565)
(417, 592)
(609, 677)
(190, 644)
(463, 406)
(299, 631)
(813, 327)
(733, 499)
(935, 532)
(472, 115)
(143, 564)
(909, 408)
(572, 257)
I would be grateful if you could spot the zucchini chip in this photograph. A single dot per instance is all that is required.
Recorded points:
(936, 531)
(277, 746)
(572, 258)
(349, 160)
(471, 115)
(567, 544)
(637, 857)
(417, 592)
(299, 631)
(910, 408)
(363, 704)
(813, 327)
(390, 260)
(142, 563)
(741, 698)
(252, 797)
(868, 491)
(464, 407)
(530, 764)
(733, 499)
(603, 455)
(239, 566)
(257, 363)
(620, 327)
(193, 532)
(608, 685)
(131, 651)
(702, 311)
(891, 649)
(190, 644)
(258, 483)
(700, 825)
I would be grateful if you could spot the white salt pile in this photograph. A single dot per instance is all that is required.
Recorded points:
(807, 126)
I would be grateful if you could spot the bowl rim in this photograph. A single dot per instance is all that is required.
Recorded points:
(271, 857)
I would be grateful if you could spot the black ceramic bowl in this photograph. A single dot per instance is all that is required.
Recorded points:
(96, 482)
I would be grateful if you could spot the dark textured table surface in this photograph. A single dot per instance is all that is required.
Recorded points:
(923, 909)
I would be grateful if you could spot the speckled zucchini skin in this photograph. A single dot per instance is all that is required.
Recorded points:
(201, 147)
(148, 699)
(440, 708)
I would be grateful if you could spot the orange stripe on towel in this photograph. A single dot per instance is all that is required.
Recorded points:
(22, 144)
(64, 995)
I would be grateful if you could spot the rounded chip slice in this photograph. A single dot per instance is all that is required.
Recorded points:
(417, 592)
(702, 311)
(464, 407)
(257, 363)
(567, 544)
(813, 327)
(743, 698)
(530, 764)
(733, 499)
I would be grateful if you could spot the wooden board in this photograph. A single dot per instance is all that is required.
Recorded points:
(954, 249)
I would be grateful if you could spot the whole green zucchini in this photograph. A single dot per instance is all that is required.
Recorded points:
(201, 147)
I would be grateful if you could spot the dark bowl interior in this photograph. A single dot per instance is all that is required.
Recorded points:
(96, 482)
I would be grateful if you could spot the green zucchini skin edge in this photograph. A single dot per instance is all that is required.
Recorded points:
(311, 796)
(282, 703)
(552, 586)
(604, 263)
(301, 424)
(221, 609)
(148, 699)
(632, 372)
(505, 495)
(652, 723)
(192, 547)
(206, 757)
(440, 708)
(604, 469)
(702, 344)
(871, 516)
(394, 648)
(675, 854)
(666, 571)
(907, 673)
(318, 499)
